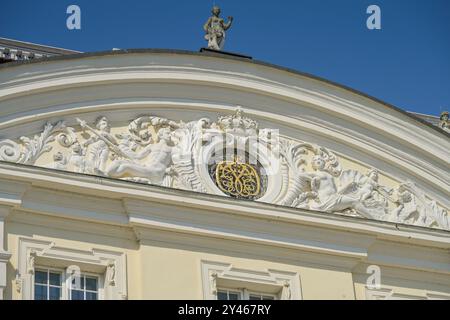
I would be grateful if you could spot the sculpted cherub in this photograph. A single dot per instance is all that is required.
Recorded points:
(324, 190)
(215, 29)
(157, 157)
(77, 158)
(59, 161)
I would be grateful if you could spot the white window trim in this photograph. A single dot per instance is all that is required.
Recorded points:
(288, 283)
(111, 266)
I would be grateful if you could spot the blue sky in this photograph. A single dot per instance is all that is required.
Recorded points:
(406, 63)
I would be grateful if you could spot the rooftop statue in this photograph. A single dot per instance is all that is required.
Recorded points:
(444, 123)
(215, 29)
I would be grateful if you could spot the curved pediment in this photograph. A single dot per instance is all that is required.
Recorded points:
(171, 120)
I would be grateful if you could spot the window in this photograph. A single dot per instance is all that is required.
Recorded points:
(88, 289)
(53, 284)
(224, 294)
(257, 296)
(223, 281)
(45, 272)
(47, 285)
(243, 294)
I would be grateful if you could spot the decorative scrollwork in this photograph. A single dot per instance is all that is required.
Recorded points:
(67, 139)
(9, 151)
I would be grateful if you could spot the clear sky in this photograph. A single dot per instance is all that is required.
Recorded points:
(406, 63)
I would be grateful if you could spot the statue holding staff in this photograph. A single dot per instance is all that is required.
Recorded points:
(100, 144)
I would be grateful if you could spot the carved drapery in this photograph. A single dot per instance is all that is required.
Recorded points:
(248, 162)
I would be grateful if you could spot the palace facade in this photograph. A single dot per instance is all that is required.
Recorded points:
(163, 174)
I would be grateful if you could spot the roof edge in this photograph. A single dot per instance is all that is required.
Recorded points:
(217, 55)
(36, 46)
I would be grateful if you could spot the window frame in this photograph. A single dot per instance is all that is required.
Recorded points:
(282, 285)
(66, 285)
(110, 267)
(230, 290)
(48, 270)
(263, 294)
(244, 294)
(99, 292)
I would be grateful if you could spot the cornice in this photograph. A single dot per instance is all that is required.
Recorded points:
(196, 220)
(143, 195)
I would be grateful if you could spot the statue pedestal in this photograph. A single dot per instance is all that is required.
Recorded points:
(224, 53)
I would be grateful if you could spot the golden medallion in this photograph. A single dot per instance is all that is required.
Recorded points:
(238, 179)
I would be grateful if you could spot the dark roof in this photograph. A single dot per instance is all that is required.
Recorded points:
(23, 45)
(221, 55)
(14, 50)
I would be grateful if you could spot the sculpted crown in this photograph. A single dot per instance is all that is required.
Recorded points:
(238, 124)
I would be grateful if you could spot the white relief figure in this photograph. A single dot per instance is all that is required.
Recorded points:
(156, 165)
(31, 261)
(213, 285)
(77, 158)
(406, 205)
(329, 198)
(321, 186)
(287, 293)
(367, 189)
(19, 283)
(129, 146)
(59, 161)
(414, 208)
(99, 145)
(111, 272)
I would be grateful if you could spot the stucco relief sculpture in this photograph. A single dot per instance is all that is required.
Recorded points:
(111, 272)
(215, 29)
(31, 261)
(413, 207)
(99, 145)
(355, 192)
(228, 156)
(157, 165)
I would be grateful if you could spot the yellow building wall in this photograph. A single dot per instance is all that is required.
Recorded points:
(77, 240)
(163, 270)
(174, 273)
